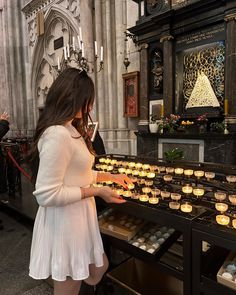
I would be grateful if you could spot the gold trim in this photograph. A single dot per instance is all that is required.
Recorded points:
(230, 17)
(166, 38)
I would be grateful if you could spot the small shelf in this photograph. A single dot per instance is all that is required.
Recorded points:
(212, 287)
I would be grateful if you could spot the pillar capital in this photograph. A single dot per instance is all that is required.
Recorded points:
(166, 38)
(230, 17)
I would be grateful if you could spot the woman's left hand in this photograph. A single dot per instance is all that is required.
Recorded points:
(121, 179)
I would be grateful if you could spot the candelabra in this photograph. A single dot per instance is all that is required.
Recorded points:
(75, 57)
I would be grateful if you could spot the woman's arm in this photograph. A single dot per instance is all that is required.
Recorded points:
(120, 179)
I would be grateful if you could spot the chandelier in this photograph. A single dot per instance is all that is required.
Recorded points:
(74, 56)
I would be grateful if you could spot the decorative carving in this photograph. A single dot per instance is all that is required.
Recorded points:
(230, 17)
(157, 70)
(208, 60)
(32, 32)
(166, 38)
(154, 6)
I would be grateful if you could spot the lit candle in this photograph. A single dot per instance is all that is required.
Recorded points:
(96, 48)
(222, 219)
(65, 54)
(142, 173)
(101, 53)
(138, 165)
(146, 166)
(179, 171)
(232, 199)
(220, 196)
(80, 34)
(162, 168)
(110, 168)
(231, 178)
(107, 160)
(165, 194)
(148, 182)
(167, 177)
(98, 166)
(209, 175)
(135, 172)
(153, 200)
(121, 170)
(170, 169)
(226, 106)
(234, 223)
(175, 196)
(113, 162)
(102, 160)
(120, 192)
(162, 110)
(131, 164)
(187, 208)
(155, 192)
(68, 50)
(198, 192)
(58, 63)
(150, 175)
(222, 207)
(73, 43)
(108, 182)
(143, 198)
(187, 189)
(135, 196)
(82, 49)
(146, 190)
(127, 194)
(128, 171)
(199, 173)
(188, 172)
(174, 205)
(79, 42)
(131, 186)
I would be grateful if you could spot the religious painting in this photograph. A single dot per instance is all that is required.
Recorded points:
(156, 108)
(131, 94)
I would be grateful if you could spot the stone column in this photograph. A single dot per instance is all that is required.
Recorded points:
(143, 107)
(230, 68)
(168, 76)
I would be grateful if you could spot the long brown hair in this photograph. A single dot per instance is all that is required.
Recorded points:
(71, 92)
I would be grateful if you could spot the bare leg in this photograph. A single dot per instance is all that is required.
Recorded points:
(68, 287)
(96, 273)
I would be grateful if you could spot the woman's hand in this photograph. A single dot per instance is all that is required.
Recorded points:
(4, 116)
(121, 179)
(110, 196)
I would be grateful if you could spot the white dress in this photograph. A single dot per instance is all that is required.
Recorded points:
(66, 236)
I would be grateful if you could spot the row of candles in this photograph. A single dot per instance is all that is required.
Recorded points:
(147, 175)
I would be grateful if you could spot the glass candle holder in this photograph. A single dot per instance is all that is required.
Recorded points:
(210, 175)
(165, 194)
(134, 179)
(127, 194)
(143, 198)
(153, 200)
(138, 165)
(109, 182)
(142, 173)
(232, 199)
(155, 192)
(167, 178)
(231, 178)
(220, 196)
(119, 192)
(179, 171)
(121, 170)
(98, 166)
(170, 169)
(102, 160)
(131, 164)
(234, 223)
(110, 168)
(186, 207)
(198, 192)
(161, 168)
(174, 205)
(146, 190)
(222, 219)
(150, 175)
(148, 182)
(135, 172)
(131, 186)
(135, 196)
(107, 160)
(146, 166)
(199, 173)
(104, 167)
(187, 189)
(188, 172)
(221, 207)
(175, 196)
(113, 162)
(128, 171)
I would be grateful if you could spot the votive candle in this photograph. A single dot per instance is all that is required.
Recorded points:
(143, 198)
(153, 200)
(222, 219)
(222, 207)
(179, 171)
(188, 172)
(199, 173)
(186, 207)
(174, 205)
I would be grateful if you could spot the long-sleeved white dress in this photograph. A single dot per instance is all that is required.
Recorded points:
(66, 237)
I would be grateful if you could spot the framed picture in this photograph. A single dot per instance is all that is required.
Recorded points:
(92, 129)
(156, 108)
(131, 94)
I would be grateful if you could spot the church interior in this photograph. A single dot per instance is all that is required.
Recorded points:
(163, 116)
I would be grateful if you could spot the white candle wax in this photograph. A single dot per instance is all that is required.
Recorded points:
(187, 208)
(187, 189)
(222, 207)
(101, 53)
(80, 35)
(153, 200)
(79, 42)
(65, 54)
(96, 48)
(73, 43)
(82, 49)
(68, 50)
(58, 63)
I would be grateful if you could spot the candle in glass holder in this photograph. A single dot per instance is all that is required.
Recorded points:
(170, 169)
(146, 166)
(127, 194)
(130, 186)
(187, 189)
(128, 171)
(125, 164)
(186, 207)
(108, 182)
(146, 190)
(232, 199)
(198, 192)
(199, 173)
(234, 223)
(231, 178)
(188, 172)
(102, 160)
(210, 175)
(142, 173)
(167, 177)
(138, 165)
(153, 200)
(220, 196)
(135, 196)
(143, 198)
(148, 182)
(121, 170)
(113, 162)
(222, 219)
(150, 175)
(165, 194)
(133, 179)
(174, 205)
(155, 192)
(222, 207)
(107, 160)
(131, 164)
(119, 192)
(103, 167)
(110, 168)
(175, 196)
(179, 171)
(135, 172)
(98, 166)
(162, 168)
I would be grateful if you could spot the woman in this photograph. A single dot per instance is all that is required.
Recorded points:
(66, 241)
